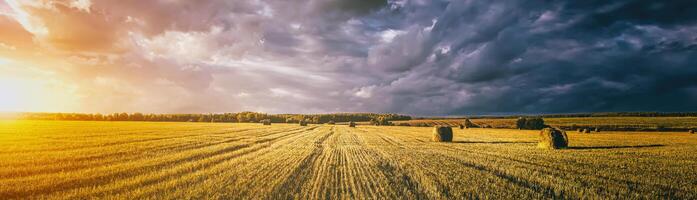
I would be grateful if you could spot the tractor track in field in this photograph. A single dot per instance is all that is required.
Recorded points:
(266, 150)
(408, 170)
(536, 188)
(344, 166)
(549, 170)
(292, 184)
(548, 192)
(283, 161)
(251, 148)
(105, 178)
(127, 156)
(110, 144)
(559, 172)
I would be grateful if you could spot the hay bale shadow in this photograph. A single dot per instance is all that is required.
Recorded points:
(619, 147)
(493, 142)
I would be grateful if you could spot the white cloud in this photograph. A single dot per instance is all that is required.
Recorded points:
(83, 5)
(266, 11)
(7, 46)
(365, 92)
(242, 94)
(184, 47)
(546, 17)
(433, 24)
(388, 35)
(283, 93)
(267, 66)
(30, 23)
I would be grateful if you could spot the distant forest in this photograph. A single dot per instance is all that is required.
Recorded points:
(225, 117)
(574, 115)
(375, 118)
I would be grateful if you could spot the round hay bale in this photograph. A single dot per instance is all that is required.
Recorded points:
(692, 131)
(587, 130)
(331, 122)
(462, 126)
(553, 138)
(597, 129)
(352, 124)
(266, 122)
(442, 134)
(580, 130)
(303, 123)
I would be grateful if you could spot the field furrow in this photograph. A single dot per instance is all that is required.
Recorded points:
(81, 160)
(103, 174)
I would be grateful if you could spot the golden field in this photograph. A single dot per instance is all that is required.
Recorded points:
(160, 160)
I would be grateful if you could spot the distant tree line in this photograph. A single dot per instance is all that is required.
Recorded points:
(225, 117)
(374, 118)
(625, 114)
(570, 115)
(534, 123)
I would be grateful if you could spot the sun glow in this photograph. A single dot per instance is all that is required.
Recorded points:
(26, 88)
(26, 95)
(37, 95)
(33, 95)
(18, 94)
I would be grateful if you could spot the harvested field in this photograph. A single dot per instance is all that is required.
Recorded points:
(135, 160)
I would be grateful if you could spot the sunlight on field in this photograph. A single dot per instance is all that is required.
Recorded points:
(134, 160)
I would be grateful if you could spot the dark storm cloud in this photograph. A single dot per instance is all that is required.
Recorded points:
(355, 6)
(661, 13)
(561, 56)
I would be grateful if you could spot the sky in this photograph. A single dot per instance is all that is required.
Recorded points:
(420, 57)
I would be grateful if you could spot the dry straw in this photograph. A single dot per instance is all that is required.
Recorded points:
(553, 138)
(442, 134)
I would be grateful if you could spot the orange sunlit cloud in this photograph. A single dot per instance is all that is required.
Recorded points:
(119, 60)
